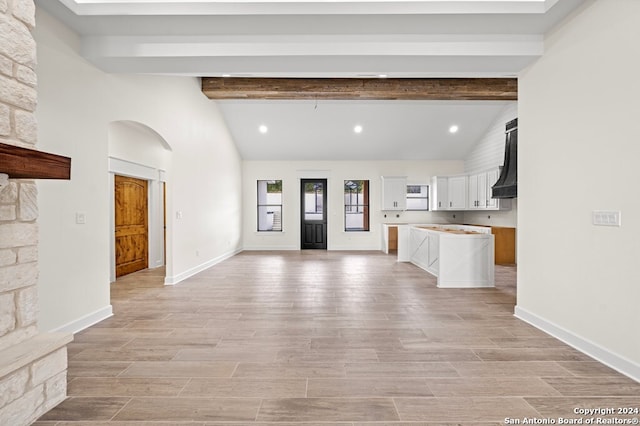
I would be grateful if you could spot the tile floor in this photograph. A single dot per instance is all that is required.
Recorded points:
(323, 338)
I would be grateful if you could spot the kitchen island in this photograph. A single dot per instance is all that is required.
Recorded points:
(458, 255)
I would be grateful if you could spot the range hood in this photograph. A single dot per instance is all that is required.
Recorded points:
(507, 184)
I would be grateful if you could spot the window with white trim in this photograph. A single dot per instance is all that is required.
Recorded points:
(356, 205)
(270, 205)
(417, 197)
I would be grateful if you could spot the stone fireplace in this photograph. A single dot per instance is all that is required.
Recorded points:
(33, 365)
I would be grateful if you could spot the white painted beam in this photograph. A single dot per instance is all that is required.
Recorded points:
(290, 7)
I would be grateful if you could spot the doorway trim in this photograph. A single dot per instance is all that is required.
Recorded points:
(156, 178)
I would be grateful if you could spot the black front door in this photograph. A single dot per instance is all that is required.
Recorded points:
(313, 214)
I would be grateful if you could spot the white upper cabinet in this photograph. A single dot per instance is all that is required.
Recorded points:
(466, 192)
(439, 193)
(457, 192)
(480, 192)
(494, 203)
(394, 193)
(477, 191)
(449, 192)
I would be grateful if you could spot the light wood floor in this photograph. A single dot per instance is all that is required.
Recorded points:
(317, 337)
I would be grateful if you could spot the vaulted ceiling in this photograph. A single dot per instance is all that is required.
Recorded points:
(337, 38)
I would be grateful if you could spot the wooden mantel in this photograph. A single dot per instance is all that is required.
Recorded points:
(24, 163)
(504, 89)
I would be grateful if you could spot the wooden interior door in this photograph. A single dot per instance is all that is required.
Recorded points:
(131, 217)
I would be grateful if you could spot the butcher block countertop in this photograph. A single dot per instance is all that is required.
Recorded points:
(448, 230)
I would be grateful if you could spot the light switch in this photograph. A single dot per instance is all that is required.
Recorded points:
(179, 214)
(80, 218)
(606, 218)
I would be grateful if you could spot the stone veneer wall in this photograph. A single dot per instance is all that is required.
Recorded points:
(32, 365)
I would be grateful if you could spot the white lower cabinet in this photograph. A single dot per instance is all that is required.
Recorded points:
(403, 243)
(423, 248)
(459, 257)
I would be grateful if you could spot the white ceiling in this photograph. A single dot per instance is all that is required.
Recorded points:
(398, 130)
(336, 38)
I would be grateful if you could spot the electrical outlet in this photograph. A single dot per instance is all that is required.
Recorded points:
(81, 218)
(606, 218)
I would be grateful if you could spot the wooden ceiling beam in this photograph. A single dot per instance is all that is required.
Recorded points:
(450, 89)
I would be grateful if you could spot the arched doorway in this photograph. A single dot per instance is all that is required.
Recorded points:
(139, 161)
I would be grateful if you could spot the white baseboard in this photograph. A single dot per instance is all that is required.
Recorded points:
(271, 248)
(86, 321)
(605, 356)
(191, 272)
(353, 248)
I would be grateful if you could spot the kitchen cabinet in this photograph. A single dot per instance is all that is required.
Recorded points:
(439, 193)
(394, 193)
(449, 192)
(395, 237)
(505, 245)
(403, 243)
(494, 203)
(479, 192)
(424, 250)
(457, 190)
(459, 256)
(389, 238)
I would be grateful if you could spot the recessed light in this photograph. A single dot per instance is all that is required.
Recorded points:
(357, 129)
(263, 129)
(453, 129)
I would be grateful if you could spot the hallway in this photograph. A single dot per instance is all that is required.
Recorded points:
(324, 337)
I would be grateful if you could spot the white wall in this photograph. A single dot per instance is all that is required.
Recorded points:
(137, 143)
(488, 153)
(579, 129)
(77, 102)
(489, 150)
(290, 172)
